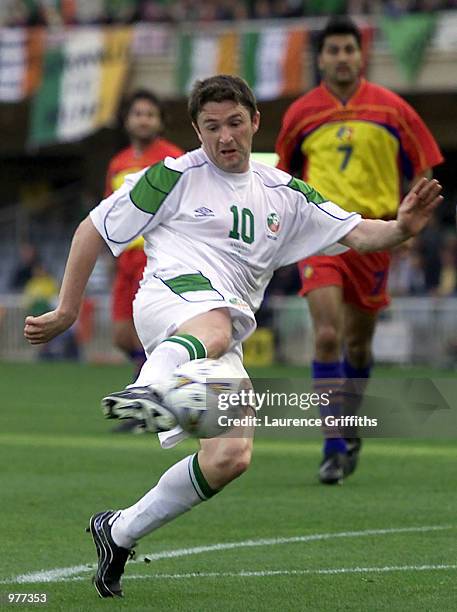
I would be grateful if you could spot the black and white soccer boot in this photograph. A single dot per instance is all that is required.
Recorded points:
(140, 403)
(332, 468)
(353, 446)
(111, 557)
(130, 426)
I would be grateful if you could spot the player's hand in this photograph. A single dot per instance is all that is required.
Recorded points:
(418, 205)
(38, 330)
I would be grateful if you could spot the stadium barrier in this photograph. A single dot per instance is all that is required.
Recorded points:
(413, 330)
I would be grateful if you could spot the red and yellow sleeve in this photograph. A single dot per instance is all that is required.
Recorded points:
(288, 138)
(418, 143)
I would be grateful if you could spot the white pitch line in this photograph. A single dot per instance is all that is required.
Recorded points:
(270, 573)
(64, 573)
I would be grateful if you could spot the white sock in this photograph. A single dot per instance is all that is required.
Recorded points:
(167, 356)
(179, 489)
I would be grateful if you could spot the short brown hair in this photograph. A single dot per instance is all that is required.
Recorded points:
(220, 88)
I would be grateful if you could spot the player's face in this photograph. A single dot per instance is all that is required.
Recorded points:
(340, 60)
(143, 121)
(225, 130)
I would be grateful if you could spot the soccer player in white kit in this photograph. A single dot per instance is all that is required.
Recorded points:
(216, 225)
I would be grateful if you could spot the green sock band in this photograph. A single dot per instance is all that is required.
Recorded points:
(195, 347)
(204, 491)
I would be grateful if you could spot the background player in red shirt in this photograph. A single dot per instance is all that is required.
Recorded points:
(360, 145)
(143, 122)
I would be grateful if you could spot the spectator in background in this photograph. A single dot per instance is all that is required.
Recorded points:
(58, 12)
(143, 121)
(208, 10)
(262, 9)
(429, 244)
(447, 284)
(40, 291)
(285, 9)
(228, 10)
(28, 259)
(183, 10)
(406, 273)
(397, 8)
(122, 11)
(155, 11)
(285, 281)
(431, 6)
(364, 7)
(89, 12)
(50, 12)
(2, 315)
(16, 13)
(39, 295)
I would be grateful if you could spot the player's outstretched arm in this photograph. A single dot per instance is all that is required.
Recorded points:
(413, 215)
(85, 248)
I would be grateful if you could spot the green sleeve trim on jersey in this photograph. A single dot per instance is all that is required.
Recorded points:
(189, 282)
(309, 192)
(153, 187)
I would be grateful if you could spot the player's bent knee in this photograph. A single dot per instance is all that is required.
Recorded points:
(213, 328)
(225, 459)
(234, 457)
(327, 338)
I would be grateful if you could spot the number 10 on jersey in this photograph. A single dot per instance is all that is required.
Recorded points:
(247, 224)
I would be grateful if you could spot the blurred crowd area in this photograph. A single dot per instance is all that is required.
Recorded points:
(16, 13)
(425, 266)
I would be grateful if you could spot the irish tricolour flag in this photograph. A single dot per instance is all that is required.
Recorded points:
(270, 59)
(83, 76)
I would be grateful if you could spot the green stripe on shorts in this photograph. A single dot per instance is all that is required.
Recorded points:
(189, 282)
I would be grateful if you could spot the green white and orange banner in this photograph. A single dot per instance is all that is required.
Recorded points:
(84, 72)
(21, 54)
(269, 59)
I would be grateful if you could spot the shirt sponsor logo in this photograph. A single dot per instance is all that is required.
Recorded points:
(203, 212)
(238, 302)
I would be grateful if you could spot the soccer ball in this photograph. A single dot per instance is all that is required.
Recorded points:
(194, 397)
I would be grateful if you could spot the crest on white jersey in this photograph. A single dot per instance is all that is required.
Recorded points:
(273, 223)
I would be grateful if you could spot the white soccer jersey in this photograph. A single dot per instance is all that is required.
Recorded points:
(210, 234)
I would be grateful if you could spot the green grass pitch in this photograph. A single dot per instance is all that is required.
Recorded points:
(275, 540)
